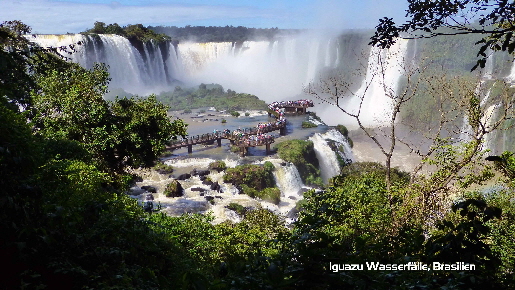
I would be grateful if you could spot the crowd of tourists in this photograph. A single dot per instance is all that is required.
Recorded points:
(255, 140)
(299, 103)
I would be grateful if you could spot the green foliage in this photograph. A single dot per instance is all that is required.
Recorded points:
(343, 130)
(130, 132)
(235, 114)
(219, 33)
(163, 168)
(353, 206)
(173, 189)
(218, 165)
(210, 95)
(269, 194)
(430, 19)
(224, 121)
(238, 208)
(64, 227)
(307, 124)
(255, 177)
(145, 129)
(302, 154)
(357, 169)
(503, 230)
(135, 32)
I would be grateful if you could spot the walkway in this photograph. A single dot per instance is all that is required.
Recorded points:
(237, 137)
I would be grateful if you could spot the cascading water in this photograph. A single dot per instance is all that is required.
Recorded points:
(151, 69)
(489, 119)
(327, 158)
(489, 67)
(287, 178)
(381, 83)
(269, 69)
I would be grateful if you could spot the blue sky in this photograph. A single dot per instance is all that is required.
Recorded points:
(53, 16)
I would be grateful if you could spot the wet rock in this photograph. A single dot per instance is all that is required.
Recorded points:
(149, 197)
(174, 189)
(302, 190)
(184, 176)
(196, 172)
(149, 188)
(292, 197)
(203, 172)
(293, 213)
(209, 198)
(215, 186)
(207, 182)
(217, 196)
(198, 189)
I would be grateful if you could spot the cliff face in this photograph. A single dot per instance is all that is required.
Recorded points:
(282, 68)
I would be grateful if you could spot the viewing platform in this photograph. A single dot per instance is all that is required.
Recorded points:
(289, 107)
(238, 138)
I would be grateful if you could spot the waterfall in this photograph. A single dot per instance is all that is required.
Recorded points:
(489, 67)
(287, 178)
(327, 158)
(151, 69)
(269, 69)
(489, 119)
(381, 83)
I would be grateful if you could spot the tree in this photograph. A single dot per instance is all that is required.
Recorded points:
(448, 99)
(126, 132)
(494, 20)
(21, 61)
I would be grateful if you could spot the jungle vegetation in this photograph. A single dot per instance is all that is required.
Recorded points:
(210, 95)
(67, 223)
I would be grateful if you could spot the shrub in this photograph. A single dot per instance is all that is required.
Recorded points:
(163, 168)
(247, 114)
(218, 165)
(302, 154)
(238, 208)
(235, 114)
(307, 124)
(343, 130)
(173, 189)
(255, 176)
(224, 121)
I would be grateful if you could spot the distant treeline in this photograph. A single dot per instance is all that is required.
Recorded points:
(131, 32)
(219, 33)
(210, 95)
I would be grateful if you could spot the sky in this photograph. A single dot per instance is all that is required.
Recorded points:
(73, 16)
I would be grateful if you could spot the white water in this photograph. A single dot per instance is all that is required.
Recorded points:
(489, 67)
(151, 70)
(489, 119)
(379, 88)
(327, 159)
(269, 69)
(286, 176)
